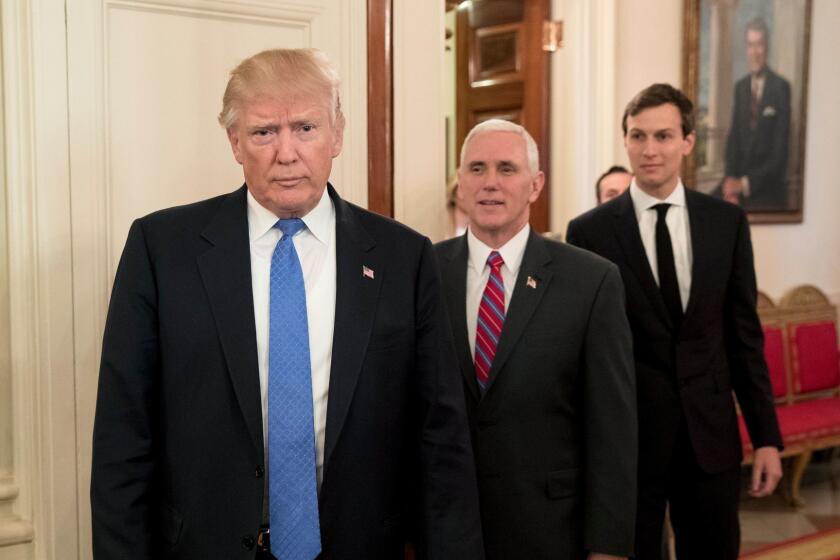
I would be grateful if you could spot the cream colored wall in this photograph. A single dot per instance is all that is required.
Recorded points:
(648, 50)
(419, 125)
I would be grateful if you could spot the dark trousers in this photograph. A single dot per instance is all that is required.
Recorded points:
(704, 509)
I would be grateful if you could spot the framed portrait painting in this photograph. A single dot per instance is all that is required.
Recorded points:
(746, 69)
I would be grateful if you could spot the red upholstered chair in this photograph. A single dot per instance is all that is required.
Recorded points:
(800, 346)
(814, 357)
(774, 353)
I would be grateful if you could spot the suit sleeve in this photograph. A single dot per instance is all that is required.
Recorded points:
(450, 519)
(123, 433)
(611, 430)
(745, 346)
(574, 235)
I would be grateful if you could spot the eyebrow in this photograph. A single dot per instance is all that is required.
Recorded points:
(667, 129)
(303, 118)
(482, 162)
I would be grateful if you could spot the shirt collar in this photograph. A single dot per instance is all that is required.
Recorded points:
(511, 252)
(317, 221)
(643, 201)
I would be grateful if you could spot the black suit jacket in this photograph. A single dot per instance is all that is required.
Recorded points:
(761, 153)
(692, 370)
(554, 435)
(178, 443)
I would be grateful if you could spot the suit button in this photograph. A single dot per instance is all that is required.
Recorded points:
(248, 542)
(260, 471)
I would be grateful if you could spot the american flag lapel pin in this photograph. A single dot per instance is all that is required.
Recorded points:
(367, 272)
(531, 282)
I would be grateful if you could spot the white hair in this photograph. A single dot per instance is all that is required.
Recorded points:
(499, 125)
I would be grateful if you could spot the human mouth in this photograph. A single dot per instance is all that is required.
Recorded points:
(287, 181)
(490, 202)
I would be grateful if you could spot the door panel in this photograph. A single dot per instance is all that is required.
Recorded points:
(503, 72)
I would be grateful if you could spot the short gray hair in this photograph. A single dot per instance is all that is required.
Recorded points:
(500, 125)
(279, 73)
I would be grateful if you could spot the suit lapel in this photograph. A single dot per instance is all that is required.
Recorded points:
(531, 283)
(455, 287)
(226, 273)
(627, 230)
(355, 307)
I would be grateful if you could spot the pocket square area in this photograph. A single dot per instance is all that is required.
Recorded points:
(769, 111)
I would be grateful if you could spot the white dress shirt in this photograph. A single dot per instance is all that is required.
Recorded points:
(478, 272)
(315, 246)
(678, 228)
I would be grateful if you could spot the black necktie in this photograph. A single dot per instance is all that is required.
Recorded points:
(668, 285)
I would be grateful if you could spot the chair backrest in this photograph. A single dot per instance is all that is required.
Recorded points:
(811, 329)
(775, 347)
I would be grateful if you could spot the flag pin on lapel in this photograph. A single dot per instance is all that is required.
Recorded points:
(367, 272)
(531, 282)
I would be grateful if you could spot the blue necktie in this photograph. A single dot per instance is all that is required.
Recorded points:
(292, 484)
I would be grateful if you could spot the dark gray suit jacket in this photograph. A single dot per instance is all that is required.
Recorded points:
(178, 465)
(555, 433)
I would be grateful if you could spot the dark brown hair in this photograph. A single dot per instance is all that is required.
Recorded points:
(610, 171)
(661, 94)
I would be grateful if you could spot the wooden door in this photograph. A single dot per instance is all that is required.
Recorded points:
(503, 72)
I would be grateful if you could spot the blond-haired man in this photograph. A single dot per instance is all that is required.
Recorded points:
(277, 379)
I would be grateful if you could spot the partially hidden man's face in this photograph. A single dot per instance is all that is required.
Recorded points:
(613, 185)
(656, 146)
(286, 148)
(756, 50)
(496, 186)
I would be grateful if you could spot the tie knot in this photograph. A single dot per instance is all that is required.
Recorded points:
(290, 226)
(495, 260)
(661, 210)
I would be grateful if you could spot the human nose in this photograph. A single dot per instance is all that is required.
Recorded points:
(286, 151)
(491, 179)
(648, 148)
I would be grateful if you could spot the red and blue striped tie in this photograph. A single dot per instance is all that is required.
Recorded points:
(491, 317)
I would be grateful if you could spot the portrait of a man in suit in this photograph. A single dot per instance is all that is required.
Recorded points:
(277, 375)
(544, 346)
(686, 262)
(759, 133)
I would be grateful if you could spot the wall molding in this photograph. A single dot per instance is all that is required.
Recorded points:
(41, 298)
(583, 106)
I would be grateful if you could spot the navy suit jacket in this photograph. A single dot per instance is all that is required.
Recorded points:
(178, 464)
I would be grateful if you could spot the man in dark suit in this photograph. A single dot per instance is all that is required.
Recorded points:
(546, 356)
(757, 144)
(612, 183)
(687, 266)
(280, 334)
